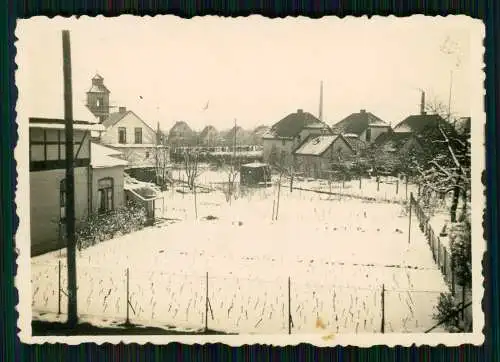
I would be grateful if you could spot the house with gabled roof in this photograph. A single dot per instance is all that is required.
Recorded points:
(136, 139)
(181, 135)
(414, 137)
(285, 136)
(364, 125)
(316, 155)
(209, 136)
(125, 131)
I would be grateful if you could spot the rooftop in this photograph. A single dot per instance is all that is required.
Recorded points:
(102, 157)
(358, 122)
(255, 165)
(291, 125)
(417, 123)
(316, 146)
(53, 123)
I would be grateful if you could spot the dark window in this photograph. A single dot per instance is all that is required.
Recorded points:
(105, 194)
(368, 134)
(283, 142)
(50, 145)
(147, 154)
(62, 199)
(122, 135)
(138, 135)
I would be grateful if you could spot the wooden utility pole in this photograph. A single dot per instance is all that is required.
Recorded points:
(206, 302)
(70, 182)
(382, 327)
(289, 307)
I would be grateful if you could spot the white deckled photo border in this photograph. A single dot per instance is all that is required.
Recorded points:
(478, 206)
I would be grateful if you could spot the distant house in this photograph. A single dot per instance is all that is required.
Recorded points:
(136, 140)
(317, 154)
(258, 134)
(413, 138)
(418, 122)
(285, 136)
(209, 136)
(124, 130)
(181, 135)
(98, 179)
(235, 135)
(363, 125)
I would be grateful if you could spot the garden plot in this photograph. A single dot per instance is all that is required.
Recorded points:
(337, 253)
(388, 189)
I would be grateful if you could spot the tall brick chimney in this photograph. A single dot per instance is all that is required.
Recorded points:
(422, 104)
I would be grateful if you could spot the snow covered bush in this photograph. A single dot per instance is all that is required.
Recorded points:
(446, 313)
(100, 227)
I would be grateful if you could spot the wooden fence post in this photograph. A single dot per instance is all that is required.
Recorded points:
(378, 183)
(439, 251)
(59, 290)
(397, 186)
(406, 187)
(127, 321)
(382, 327)
(360, 182)
(289, 308)
(206, 302)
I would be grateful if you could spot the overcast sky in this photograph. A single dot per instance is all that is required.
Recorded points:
(255, 70)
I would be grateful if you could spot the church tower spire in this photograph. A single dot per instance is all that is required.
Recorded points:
(98, 98)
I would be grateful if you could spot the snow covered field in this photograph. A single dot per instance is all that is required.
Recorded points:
(338, 253)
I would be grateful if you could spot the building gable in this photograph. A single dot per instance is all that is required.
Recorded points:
(129, 122)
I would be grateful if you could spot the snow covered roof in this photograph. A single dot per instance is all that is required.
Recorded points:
(102, 157)
(255, 165)
(143, 190)
(316, 145)
(52, 123)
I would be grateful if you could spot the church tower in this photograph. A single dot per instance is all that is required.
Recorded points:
(98, 98)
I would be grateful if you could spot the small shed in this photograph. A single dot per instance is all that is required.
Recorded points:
(255, 174)
(145, 195)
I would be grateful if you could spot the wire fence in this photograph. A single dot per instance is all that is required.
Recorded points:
(387, 189)
(232, 304)
(442, 256)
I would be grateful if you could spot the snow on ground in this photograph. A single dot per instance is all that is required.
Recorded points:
(338, 253)
(388, 189)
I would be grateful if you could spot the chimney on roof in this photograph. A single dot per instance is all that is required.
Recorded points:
(122, 109)
(300, 111)
(422, 104)
(362, 111)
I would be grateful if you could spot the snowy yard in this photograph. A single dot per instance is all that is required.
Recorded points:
(338, 253)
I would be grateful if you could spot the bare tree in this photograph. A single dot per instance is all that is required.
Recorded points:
(447, 168)
(283, 169)
(233, 170)
(191, 167)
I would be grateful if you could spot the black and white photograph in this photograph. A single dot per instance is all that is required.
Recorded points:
(247, 180)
